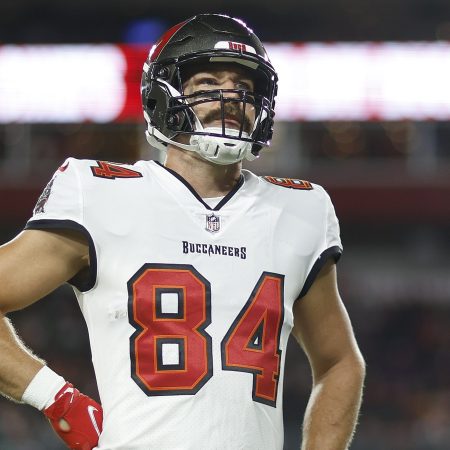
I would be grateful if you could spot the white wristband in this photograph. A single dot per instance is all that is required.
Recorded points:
(42, 389)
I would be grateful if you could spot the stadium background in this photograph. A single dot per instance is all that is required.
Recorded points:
(389, 180)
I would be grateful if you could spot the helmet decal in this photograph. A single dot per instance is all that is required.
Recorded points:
(235, 46)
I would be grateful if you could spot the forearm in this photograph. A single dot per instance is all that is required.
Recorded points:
(18, 366)
(76, 418)
(333, 407)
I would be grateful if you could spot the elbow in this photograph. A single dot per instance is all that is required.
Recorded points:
(354, 360)
(356, 368)
(349, 368)
(362, 372)
(360, 363)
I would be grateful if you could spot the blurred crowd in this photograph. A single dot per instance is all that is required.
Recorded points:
(407, 396)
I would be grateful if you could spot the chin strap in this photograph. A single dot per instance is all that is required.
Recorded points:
(217, 149)
(222, 150)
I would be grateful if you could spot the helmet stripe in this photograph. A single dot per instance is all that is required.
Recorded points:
(165, 38)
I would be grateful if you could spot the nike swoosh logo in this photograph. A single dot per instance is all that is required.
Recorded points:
(91, 410)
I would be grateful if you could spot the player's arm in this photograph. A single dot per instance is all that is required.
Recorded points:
(323, 329)
(37, 262)
(31, 266)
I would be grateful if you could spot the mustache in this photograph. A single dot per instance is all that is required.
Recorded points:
(231, 111)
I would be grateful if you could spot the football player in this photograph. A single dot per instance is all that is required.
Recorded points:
(191, 274)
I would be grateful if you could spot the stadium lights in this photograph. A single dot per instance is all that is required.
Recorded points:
(318, 81)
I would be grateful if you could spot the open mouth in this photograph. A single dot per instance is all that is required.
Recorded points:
(229, 123)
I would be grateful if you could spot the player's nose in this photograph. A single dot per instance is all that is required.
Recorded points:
(229, 84)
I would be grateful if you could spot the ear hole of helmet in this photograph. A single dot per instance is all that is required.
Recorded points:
(178, 120)
(151, 104)
(164, 73)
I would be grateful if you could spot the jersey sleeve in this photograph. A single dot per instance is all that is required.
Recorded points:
(60, 207)
(61, 199)
(331, 245)
(333, 238)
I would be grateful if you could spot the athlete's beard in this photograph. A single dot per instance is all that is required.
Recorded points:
(232, 111)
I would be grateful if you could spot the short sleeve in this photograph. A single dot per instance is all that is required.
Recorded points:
(62, 198)
(331, 246)
(60, 207)
(333, 238)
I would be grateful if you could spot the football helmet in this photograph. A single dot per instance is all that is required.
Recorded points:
(169, 111)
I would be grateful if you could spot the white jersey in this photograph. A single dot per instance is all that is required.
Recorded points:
(188, 307)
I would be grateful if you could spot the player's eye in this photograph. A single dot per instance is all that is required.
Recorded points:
(244, 85)
(207, 81)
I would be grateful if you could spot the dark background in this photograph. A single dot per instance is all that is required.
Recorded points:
(284, 20)
(390, 182)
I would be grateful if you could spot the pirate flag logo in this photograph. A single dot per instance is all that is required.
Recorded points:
(39, 208)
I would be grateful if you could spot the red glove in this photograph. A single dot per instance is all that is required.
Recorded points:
(76, 418)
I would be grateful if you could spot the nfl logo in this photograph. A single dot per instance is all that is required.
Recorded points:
(212, 223)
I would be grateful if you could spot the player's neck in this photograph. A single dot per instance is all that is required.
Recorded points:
(208, 179)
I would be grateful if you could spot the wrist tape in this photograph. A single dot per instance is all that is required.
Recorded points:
(43, 388)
